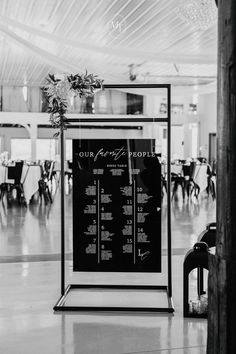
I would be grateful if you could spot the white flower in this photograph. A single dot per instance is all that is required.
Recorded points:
(61, 77)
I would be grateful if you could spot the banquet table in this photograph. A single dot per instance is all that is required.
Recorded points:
(2, 173)
(30, 176)
(177, 169)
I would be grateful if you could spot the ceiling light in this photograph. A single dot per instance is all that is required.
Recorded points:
(200, 14)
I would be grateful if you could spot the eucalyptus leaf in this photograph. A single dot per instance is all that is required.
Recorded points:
(57, 93)
(56, 134)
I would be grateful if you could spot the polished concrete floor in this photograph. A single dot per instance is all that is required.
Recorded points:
(30, 287)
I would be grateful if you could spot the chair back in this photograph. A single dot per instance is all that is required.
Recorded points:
(48, 168)
(15, 172)
(186, 170)
(202, 159)
(192, 169)
(189, 170)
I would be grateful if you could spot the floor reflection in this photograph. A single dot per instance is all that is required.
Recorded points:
(30, 290)
(31, 287)
(37, 226)
(123, 333)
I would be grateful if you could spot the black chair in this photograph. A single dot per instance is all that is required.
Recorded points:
(202, 159)
(68, 173)
(190, 185)
(14, 173)
(211, 190)
(177, 180)
(163, 185)
(46, 175)
(48, 167)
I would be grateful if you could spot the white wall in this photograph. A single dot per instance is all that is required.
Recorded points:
(207, 109)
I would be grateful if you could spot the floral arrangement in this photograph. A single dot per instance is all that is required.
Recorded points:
(61, 87)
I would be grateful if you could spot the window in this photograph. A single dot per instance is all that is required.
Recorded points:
(45, 149)
(20, 149)
(134, 104)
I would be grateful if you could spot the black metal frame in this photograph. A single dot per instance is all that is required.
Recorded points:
(60, 305)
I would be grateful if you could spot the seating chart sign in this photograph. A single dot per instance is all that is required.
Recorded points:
(116, 206)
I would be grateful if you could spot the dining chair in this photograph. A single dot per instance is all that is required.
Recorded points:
(69, 172)
(211, 180)
(43, 183)
(177, 180)
(13, 182)
(189, 183)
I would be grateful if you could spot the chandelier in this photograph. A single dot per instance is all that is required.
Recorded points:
(200, 14)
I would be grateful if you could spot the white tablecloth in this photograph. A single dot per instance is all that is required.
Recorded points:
(200, 177)
(177, 169)
(2, 174)
(30, 177)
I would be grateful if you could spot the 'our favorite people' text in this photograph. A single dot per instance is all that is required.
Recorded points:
(116, 153)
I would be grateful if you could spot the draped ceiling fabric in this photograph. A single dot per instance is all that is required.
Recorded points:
(44, 49)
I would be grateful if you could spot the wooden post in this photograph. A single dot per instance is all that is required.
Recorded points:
(222, 266)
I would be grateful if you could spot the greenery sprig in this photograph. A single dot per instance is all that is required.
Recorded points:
(59, 90)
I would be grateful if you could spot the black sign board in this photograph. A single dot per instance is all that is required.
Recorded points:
(116, 206)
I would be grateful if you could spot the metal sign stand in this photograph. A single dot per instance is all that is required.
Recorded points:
(60, 305)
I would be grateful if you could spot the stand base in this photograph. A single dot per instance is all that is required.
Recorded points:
(196, 315)
(61, 306)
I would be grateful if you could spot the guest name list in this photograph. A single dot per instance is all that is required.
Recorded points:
(116, 206)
